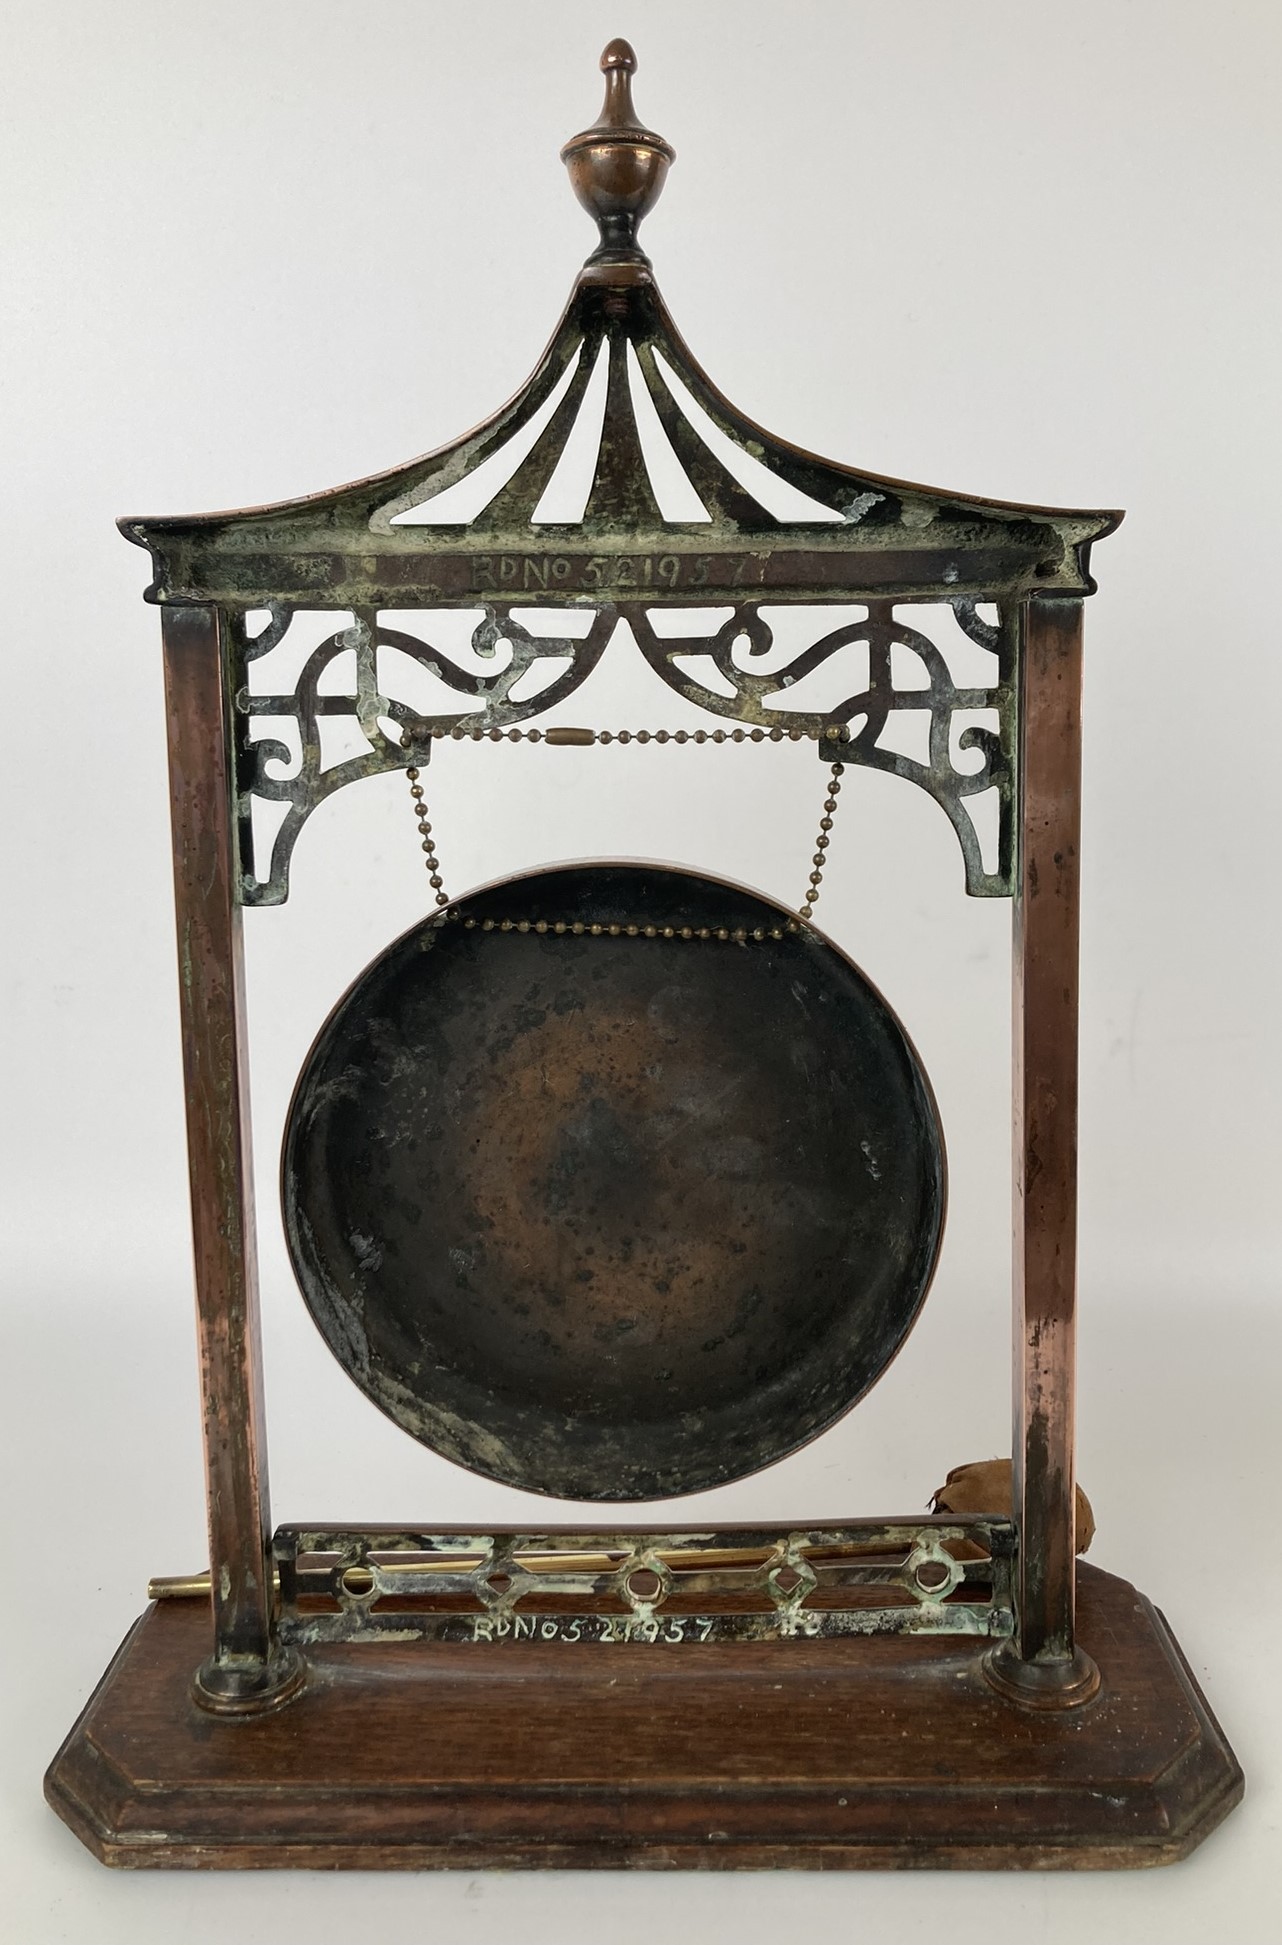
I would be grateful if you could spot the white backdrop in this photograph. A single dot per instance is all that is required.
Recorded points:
(255, 250)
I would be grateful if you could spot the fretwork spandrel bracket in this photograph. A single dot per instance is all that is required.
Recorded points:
(732, 670)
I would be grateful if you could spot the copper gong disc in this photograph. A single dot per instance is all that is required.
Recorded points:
(613, 1218)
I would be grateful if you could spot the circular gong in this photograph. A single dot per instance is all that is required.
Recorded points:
(613, 1218)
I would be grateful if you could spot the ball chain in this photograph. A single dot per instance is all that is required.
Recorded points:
(430, 858)
(737, 935)
(811, 898)
(588, 736)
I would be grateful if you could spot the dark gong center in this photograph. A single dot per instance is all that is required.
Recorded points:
(638, 1236)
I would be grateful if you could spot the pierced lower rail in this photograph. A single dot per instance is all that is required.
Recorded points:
(934, 1575)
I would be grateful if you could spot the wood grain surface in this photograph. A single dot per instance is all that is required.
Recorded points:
(812, 1754)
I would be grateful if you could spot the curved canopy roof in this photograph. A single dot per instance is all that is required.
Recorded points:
(679, 495)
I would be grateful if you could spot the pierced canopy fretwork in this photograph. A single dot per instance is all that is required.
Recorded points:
(393, 541)
(619, 481)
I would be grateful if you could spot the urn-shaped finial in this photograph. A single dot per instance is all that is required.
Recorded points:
(617, 167)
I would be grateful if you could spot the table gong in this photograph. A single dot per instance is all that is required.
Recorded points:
(615, 1180)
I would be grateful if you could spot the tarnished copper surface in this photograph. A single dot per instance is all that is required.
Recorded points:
(1045, 1102)
(246, 1668)
(613, 1218)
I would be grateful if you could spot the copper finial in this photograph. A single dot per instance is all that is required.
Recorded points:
(617, 167)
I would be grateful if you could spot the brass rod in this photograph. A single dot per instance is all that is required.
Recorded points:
(179, 1587)
(678, 1559)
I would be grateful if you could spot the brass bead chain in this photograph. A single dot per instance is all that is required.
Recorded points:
(583, 738)
(738, 935)
(430, 858)
(821, 844)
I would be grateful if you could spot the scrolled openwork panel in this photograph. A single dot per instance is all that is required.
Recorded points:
(963, 759)
(394, 732)
(731, 668)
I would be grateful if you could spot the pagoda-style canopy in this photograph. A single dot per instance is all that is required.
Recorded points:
(620, 481)
(393, 541)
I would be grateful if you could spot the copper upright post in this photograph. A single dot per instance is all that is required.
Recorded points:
(245, 1670)
(1044, 1664)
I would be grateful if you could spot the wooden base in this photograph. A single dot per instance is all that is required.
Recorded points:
(812, 1754)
